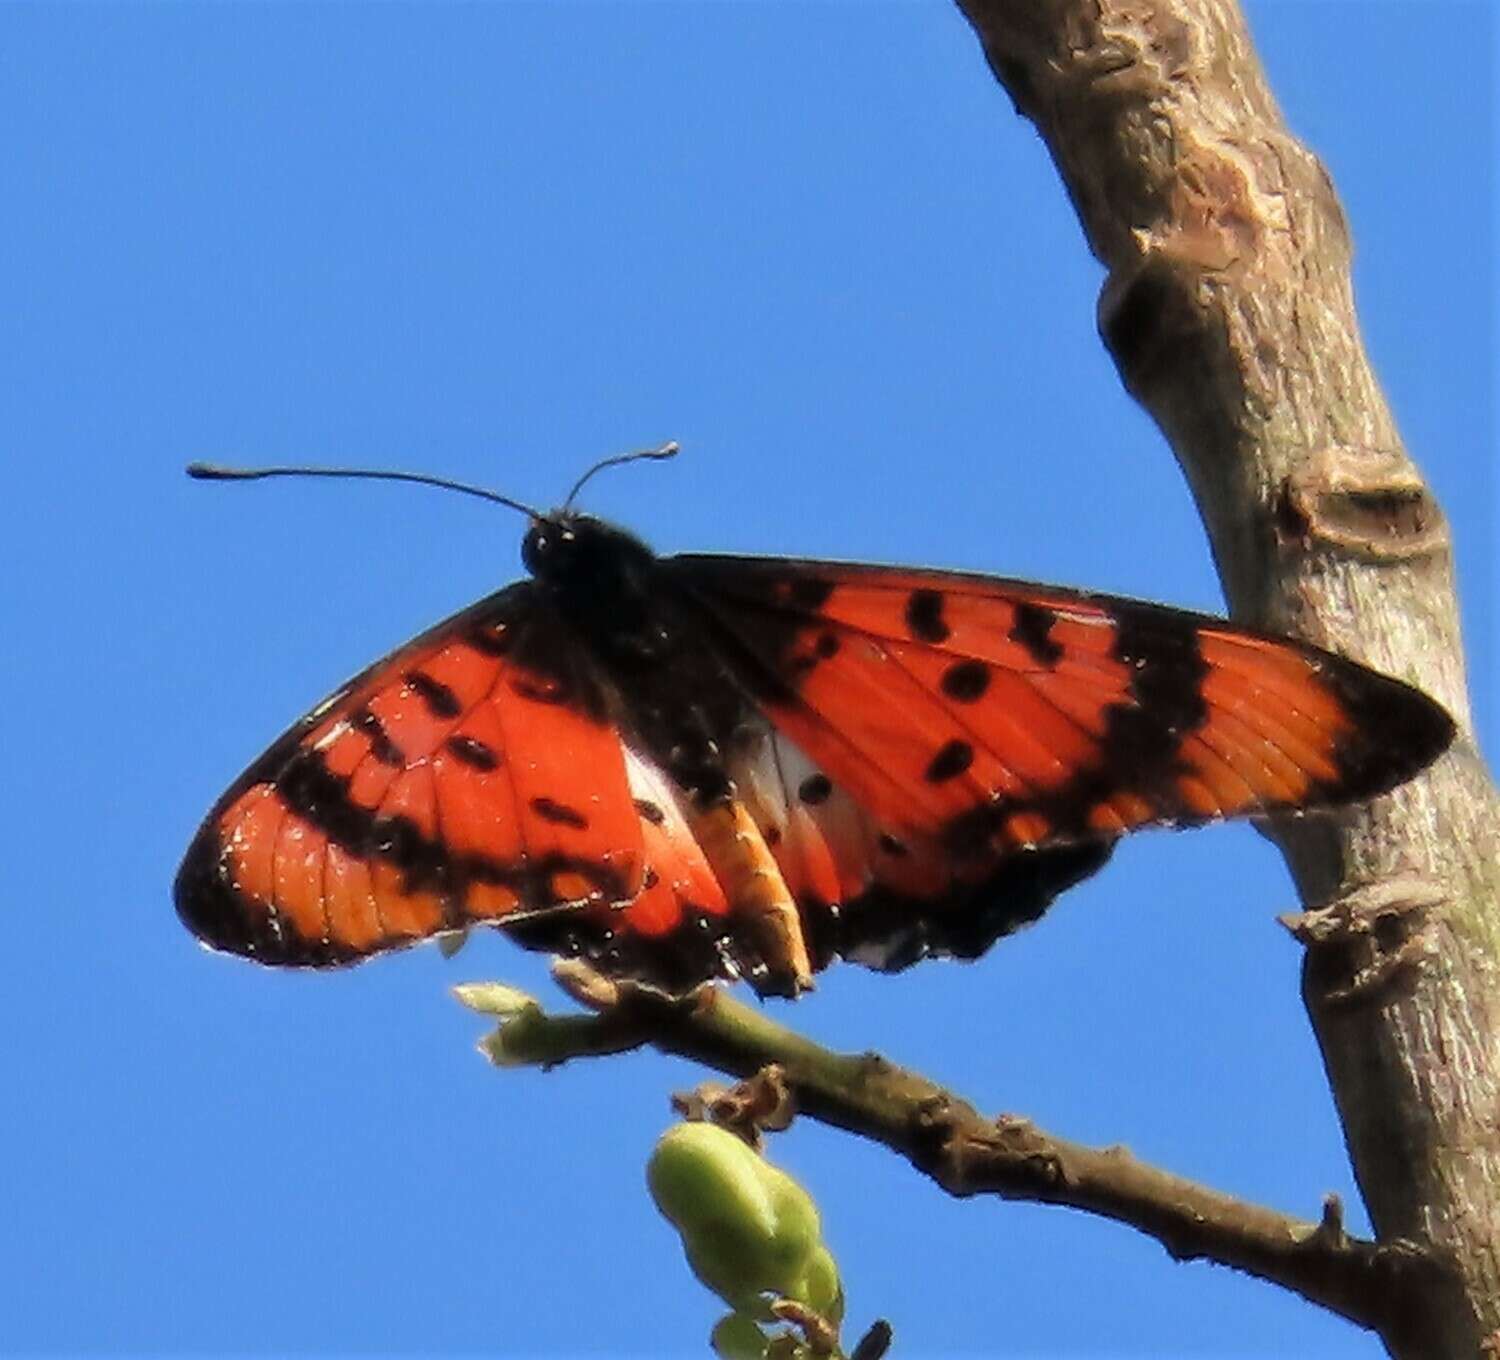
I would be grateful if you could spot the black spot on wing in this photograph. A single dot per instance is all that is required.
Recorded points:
(381, 746)
(814, 789)
(1167, 670)
(560, 814)
(650, 811)
(1032, 629)
(440, 701)
(966, 681)
(924, 616)
(471, 751)
(951, 760)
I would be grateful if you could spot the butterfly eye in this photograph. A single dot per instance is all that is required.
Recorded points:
(549, 547)
(536, 547)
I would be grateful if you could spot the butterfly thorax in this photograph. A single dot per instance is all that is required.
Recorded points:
(672, 690)
(597, 576)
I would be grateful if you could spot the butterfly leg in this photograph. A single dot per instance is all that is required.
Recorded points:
(752, 882)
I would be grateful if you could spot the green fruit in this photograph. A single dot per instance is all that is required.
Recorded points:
(748, 1229)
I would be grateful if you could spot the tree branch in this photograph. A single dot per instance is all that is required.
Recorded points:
(947, 1139)
(1229, 312)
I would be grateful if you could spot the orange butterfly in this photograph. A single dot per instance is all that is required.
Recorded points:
(692, 767)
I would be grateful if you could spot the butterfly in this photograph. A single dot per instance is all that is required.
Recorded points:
(694, 767)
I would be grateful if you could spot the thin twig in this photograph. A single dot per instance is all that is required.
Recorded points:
(966, 1153)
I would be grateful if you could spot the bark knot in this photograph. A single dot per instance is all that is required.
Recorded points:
(1369, 502)
(1369, 941)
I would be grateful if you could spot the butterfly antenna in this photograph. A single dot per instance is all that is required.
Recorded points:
(668, 450)
(213, 472)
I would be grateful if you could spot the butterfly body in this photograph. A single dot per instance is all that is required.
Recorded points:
(693, 767)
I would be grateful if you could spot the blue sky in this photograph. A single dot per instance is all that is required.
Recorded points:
(813, 243)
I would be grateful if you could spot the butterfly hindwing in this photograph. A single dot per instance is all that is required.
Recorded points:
(888, 897)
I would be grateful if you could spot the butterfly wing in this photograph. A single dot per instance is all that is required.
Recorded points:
(971, 739)
(475, 776)
(867, 762)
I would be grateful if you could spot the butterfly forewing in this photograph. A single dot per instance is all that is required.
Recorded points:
(994, 715)
(437, 789)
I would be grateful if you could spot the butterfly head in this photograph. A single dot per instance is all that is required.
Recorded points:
(567, 547)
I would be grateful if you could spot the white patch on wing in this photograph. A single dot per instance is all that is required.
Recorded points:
(333, 733)
(678, 857)
(649, 785)
(822, 839)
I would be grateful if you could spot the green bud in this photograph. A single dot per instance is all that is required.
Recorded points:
(748, 1229)
(493, 998)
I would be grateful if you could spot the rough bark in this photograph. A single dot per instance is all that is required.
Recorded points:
(1229, 312)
